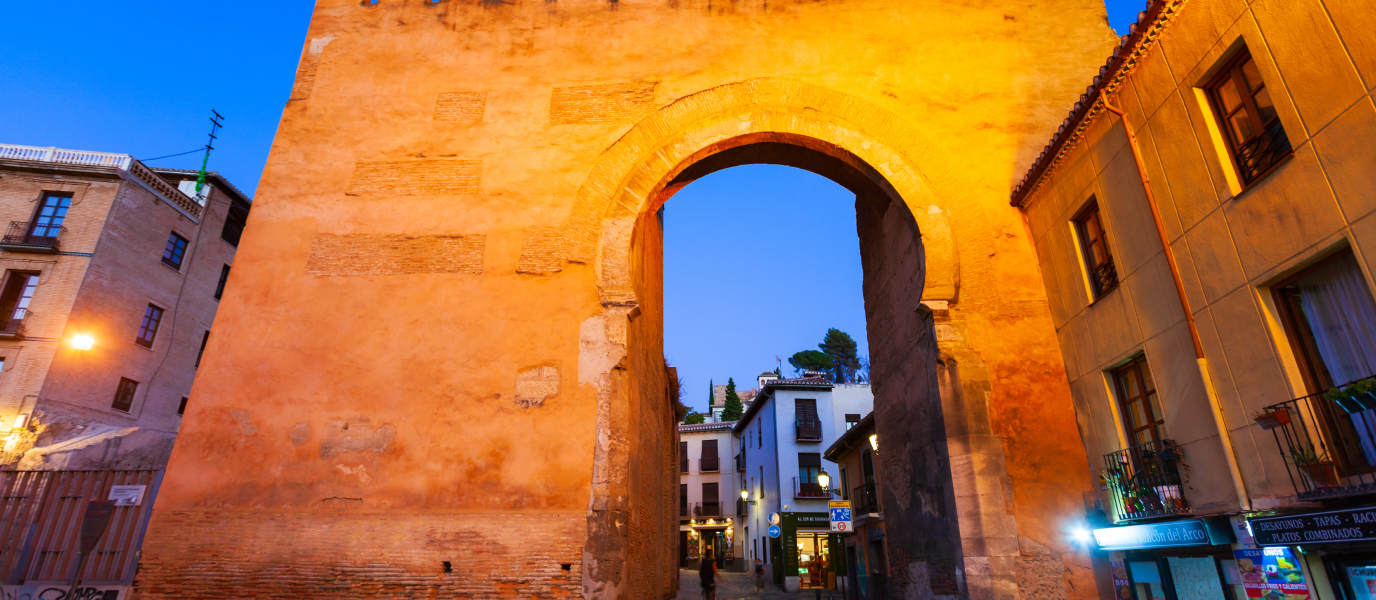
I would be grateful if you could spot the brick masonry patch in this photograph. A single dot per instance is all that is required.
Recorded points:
(461, 107)
(613, 103)
(388, 254)
(423, 177)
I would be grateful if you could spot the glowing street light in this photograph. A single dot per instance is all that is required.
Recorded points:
(83, 341)
(824, 480)
(874, 442)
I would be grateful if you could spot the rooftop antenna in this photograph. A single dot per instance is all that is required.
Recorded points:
(215, 126)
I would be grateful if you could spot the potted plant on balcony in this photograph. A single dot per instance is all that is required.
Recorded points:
(1272, 419)
(1319, 473)
(1354, 397)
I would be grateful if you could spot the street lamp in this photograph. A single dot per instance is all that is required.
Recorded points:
(83, 341)
(874, 442)
(824, 479)
(745, 497)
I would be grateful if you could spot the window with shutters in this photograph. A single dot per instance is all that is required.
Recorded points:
(1251, 127)
(709, 463)
(683, 499)
(852, 420)
(807, 427)
(683, 457)
(224, 278)
(19, 289)
(711, 501)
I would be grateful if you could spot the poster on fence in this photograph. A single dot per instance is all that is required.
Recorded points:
(60, 592)
(1272, 573)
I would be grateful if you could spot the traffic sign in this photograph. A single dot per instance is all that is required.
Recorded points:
(840, 515)
(774, 531)
(774, 518)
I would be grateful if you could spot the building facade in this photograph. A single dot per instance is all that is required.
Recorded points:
(782, 437)
(1204, 225)
(709, 496)
(112, 275)
(859, 482)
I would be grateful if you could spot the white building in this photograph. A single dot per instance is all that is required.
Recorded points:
(708, 497)
(782, 436)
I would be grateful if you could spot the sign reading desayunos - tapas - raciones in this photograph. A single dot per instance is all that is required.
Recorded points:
(1316, 528)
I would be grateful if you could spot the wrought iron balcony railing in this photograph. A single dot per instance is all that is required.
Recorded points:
(864, 499)
(683, 511)
(805, 489)
(742, 508)
(1328, 440)
(1105, 277)
(707, 510)
(1259, 154)
(807, 430)
(23, 236)
(740, 462)
(14, 328)
(1144, 481)
(709, 465)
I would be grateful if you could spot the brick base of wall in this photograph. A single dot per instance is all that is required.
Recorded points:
(229, 554)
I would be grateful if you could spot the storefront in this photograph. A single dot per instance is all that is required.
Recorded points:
(707, 537)
(1339, 547)
(810, 552)
(1175, 560)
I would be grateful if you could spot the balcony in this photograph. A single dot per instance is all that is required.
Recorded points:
(804, 489)
(740, 462)
(23, 237)
(742, 508)
(807, 430)
(1328, 440)
(683, 511)
(13, 329)
(709, 465)
(704, 510)
(864, 499)
(683, 464)
(1259, 154)
(1105, 277)
(1144, 482)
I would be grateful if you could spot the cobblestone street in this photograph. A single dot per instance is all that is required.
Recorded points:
(736, 586)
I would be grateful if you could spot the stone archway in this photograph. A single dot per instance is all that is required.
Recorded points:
(430, 354)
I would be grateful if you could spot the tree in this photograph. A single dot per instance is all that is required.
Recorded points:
(734, 409)
(693, 418)
(778, 373)
(844, 357)
(811, 360)
(862, 375)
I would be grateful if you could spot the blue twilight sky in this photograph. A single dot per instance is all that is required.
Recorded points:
(141, 77)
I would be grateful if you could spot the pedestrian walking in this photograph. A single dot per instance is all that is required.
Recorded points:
(708, 573)
(759, 575)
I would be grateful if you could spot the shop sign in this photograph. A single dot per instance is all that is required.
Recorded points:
(1271, 573)
(839, 511)
(1316, 528)
(1172, 534)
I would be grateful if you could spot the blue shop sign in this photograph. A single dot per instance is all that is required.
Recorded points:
(1316, 528)
(1172, 534)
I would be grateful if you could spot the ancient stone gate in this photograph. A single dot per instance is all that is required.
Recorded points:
(438, 370)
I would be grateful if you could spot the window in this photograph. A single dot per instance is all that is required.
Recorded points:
(682, 499)
(845, 483)
(709, 462)
(809, 466)
(204, 339)
(1142, 416)
(124, 395)
(181, 408)
(683, 457)
(14, 301)
(711, 500)
(852, 420)
(808, 427)
(148, 329)
(175, 250)
(1330, 318)
(224, 278)
(1247, 116)
(47, 221)
(1103, 277)
(235, 220)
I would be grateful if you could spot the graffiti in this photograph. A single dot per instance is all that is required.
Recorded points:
(60, 592)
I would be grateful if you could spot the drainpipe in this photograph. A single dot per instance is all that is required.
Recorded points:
(1244, 502)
